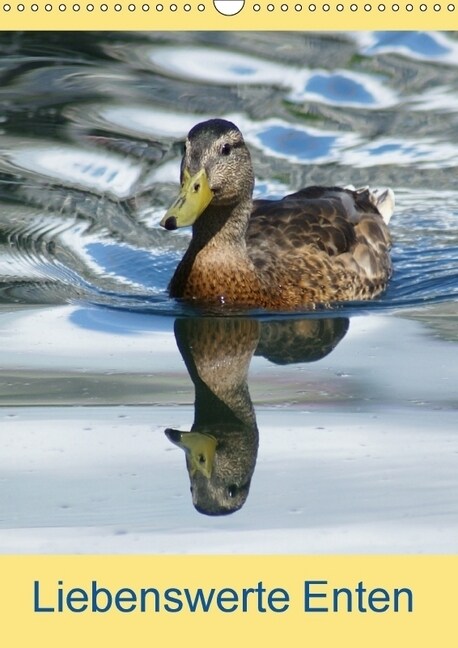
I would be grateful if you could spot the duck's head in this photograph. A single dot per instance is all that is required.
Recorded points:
(216, 170)
(220, 465)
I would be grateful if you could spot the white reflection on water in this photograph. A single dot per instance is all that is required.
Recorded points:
(134, 119)
(94, 170)
(343, 88)
(297, 143)
(439, 100)
(422, 46)
(218, 66)
(426, 154)
(210, 65)
(333, 473)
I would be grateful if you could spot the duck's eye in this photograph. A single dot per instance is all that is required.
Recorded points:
(232, 490)
(226, 149)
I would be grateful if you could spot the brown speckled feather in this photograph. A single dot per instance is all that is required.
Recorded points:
(328, 247)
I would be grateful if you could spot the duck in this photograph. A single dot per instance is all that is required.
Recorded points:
(317, 246)
(221, 448)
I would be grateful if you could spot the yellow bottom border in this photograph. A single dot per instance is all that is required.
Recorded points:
(229, 600)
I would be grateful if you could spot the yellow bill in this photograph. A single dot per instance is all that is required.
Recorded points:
(194, 197)
(199, 447)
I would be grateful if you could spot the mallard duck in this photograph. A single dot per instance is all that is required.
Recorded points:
(318, 245)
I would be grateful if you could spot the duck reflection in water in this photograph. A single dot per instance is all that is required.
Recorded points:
(222, 445)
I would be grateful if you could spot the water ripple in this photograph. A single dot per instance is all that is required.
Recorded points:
(64, 164)
(423, 46)
(88, 167)
(213, 65)
(343, 88)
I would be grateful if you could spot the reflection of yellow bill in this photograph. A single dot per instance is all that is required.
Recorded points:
(246, 596)
(199, 447)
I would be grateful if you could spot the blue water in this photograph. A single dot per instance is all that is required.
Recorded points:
(89, 165)
(98, 364)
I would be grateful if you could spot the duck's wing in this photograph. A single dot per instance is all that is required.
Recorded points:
(329, 219)
(294, 222)
(335, 232)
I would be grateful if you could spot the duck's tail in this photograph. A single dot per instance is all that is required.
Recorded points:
(383, 199)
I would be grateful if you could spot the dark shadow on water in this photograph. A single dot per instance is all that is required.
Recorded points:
(221, 447)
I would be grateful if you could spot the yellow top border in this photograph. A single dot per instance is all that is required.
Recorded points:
(199, 15)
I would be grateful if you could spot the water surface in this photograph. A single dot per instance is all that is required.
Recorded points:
(328, 431)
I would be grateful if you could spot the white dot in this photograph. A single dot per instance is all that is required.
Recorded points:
(145, 7)
(62, 7)
(270, 7)
(395, 7)
(409, 7)
(34, 7)
(326, 7)
(340, 7)
(367, 7)
(312, 7)
(173, 7)
(159, 7)
(76, 7)
(201, 7)
(381, 7)
(90, 7)
(256, 7)
(284, 7)
(48, 7)
(132, 7)
(187, 7)
(451, 7)
(228, 7)
(354, 7)
(104, 7)
(298, 7)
